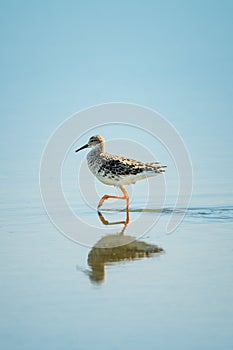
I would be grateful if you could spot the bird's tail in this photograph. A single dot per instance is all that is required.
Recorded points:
(157, 167)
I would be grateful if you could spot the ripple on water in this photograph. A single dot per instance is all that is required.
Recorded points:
(206, 213)
(214, 213)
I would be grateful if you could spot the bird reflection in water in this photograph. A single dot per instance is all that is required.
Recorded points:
(115, 248)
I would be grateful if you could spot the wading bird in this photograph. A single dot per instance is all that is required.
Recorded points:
(115, 170)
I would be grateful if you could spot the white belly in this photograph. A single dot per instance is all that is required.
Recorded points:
(124, 180)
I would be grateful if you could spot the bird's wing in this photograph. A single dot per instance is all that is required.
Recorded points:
(127, 166)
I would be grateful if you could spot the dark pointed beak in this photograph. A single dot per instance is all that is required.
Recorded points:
(79, 149)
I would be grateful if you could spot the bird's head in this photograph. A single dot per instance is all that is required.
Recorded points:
(92, 142)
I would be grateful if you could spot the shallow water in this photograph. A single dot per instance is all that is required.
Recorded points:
(162, 291)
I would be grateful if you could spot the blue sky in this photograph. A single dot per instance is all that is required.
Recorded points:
(176, 57)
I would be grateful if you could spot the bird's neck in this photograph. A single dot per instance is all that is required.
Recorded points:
(100, 148)
(94, 158)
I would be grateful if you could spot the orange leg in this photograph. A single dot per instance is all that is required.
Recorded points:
(126, 197)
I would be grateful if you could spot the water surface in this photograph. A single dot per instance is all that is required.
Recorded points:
(163, 291)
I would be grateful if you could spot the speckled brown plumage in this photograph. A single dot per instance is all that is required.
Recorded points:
(117, 171)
